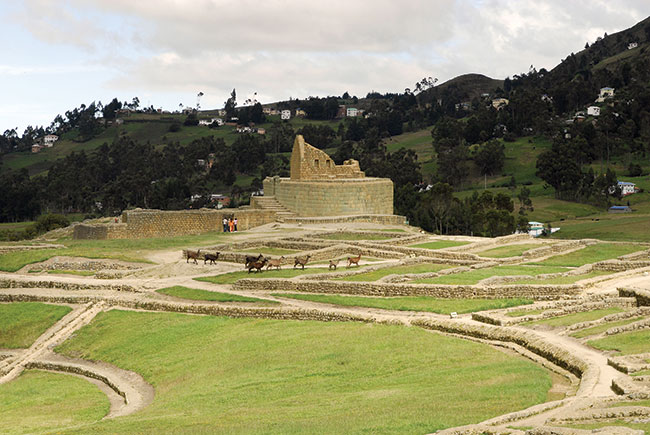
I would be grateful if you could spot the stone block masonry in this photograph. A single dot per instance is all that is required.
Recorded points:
(139, 223)
(338, 197)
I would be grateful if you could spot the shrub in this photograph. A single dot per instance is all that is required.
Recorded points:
(49, 222)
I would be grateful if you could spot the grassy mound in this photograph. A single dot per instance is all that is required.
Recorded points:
(214, 374)
(411, 303)
(21, 323)
(205, 295)
(40, 402)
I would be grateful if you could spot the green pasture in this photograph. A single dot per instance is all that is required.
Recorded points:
(627, 343)
(216, 374)
(411, 303)
(355, 236)
(418, 141)
(134, 250)
(288, 272)
(591, 254)
(628, 227)
(572, 319)
(439, 244)
(521, 313)
(206, 295)
(21, 323)
(570, 279)
(508, 250)
(45, 402)
(474, 276)
(270, 251)
(599, 329)
(374, 275)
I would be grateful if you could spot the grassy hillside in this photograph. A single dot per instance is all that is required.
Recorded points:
(141, 127)
(576, 220)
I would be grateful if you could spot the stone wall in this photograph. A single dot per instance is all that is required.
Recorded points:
(310, 163)
(383, 219)
(362, 196)
(537, 292)
(139, 223)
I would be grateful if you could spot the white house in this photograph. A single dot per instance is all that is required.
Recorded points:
(49, 140)
(205, 122)
(499, 103)
(627, 188)
(285, 114)
(604, 94)
(300, 112)
(351, 112)
(536, 229)
(36, 148)
(593, 111)
(632, 45)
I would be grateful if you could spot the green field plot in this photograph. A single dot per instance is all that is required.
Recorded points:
(627, 343)
(569, 279)
(592, 254)
(215, 374)
(599, 329)
(521, 313)
(21, 323)
(205, 295)
(271, 251)
(355, 236)
(288, 272)
(134, 250)
(439, 244)
(397, 270)
(43, 402)
(508, 250)
(418, 141)
(474, 276)
(626, 228)
(411, 303)
(572, 319)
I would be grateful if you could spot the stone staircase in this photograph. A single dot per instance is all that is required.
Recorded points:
(271, 203)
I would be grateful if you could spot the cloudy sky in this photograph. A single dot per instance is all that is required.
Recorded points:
(59, 54)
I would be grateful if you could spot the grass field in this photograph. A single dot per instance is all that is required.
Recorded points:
(43, 402)
(399, 270)
(508, 250)
(270, 251)
(227, 375)
(591, 254)
(134, 250)
(412, 303)
(474, 276)
(570, 279)
(439, 244)
(205, 295)
(598, 329)
(21, 323)
(355, 236)
(521, 313)
(232, 277)
(628, 228)
(572, 319)
(627, 343)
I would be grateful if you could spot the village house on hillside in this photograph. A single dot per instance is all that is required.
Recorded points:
(627, 188)
(593, 111)
(285, 114)
(604, 94)
(49, 140)
(632, 45)
(499, 103)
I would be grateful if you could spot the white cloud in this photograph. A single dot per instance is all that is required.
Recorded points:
(297, 48)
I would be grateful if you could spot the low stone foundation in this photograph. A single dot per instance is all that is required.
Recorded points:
(139, 223)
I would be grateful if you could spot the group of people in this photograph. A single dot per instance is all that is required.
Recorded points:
(230, 225)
